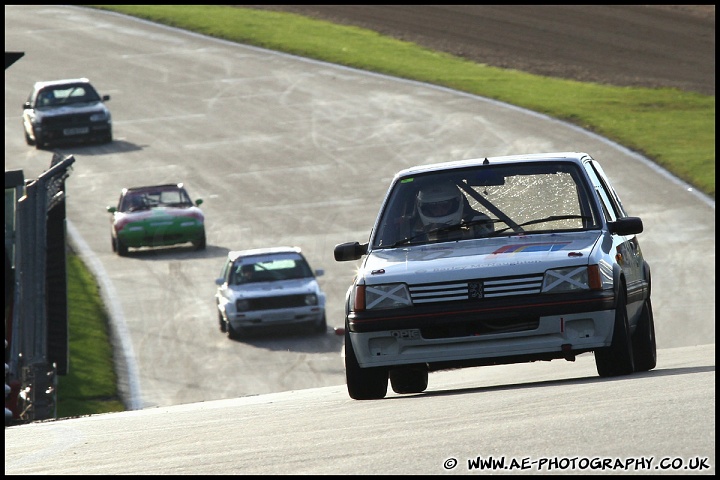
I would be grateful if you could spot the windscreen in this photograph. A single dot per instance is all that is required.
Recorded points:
(270, 268)
(486, 201)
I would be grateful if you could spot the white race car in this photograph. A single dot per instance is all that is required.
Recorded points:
(496, 261)
(66, 111)
(269, 288)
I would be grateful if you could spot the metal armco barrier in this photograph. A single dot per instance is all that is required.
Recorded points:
(36, 319)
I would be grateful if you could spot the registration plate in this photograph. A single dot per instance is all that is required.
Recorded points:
(76, 131)
(277, 317)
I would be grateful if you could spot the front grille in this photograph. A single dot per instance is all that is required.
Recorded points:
(163, 237)
(272, 303)
(67, 120)
(479, 326)
(476, 289)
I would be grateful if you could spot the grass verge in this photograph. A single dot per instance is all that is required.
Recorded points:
(90, 385)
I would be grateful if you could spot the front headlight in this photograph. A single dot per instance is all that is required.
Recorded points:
(376, 297)
(242, 305)
(311, 299)
(585, 277)
(99, 117)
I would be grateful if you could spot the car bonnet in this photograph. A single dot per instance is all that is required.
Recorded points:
(159, 213)
(296, 286)
(74, 108)
(516, 255)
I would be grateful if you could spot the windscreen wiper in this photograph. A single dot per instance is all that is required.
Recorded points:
(551, 218)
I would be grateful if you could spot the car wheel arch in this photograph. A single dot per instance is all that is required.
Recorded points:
(619, 281)
(648, 278)
(618, 358)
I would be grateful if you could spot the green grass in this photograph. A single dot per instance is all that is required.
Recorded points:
(675, 129)
(91, 383)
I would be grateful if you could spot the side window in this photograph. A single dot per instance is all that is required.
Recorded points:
(610, 191)
(610, 208)
(225, 271)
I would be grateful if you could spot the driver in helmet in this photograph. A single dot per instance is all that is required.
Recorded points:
(246, 273)
(443, 204)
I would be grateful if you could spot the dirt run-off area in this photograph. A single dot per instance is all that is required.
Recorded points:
(624, 45)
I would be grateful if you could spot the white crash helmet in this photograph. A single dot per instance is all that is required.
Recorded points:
(440, 204)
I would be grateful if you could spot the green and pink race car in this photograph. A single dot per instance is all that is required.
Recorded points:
(153, 216)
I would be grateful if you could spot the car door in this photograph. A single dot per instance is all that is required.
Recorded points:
(627, 247)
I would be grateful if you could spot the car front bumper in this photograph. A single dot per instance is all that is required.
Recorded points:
(136, 237)
(279, 317)
(556, 336)
(72, 132)
(497, 331)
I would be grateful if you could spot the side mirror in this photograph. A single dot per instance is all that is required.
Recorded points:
(350, 251)
(626, 226)
(111, 209)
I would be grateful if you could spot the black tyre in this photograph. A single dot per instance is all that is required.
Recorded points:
(223, 325)
(122, 249)
(617, 359)
(643, 340)
(29, 140)
(200, 243)
(40, 142)
(322, 326)
(363, 383)
(234, 333)
(112, 243)
(410, 379)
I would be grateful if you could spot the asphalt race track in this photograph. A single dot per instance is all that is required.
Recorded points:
(289, 151)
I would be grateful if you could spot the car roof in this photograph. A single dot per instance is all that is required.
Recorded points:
(235, 254)
(52, 83)
(576, 157)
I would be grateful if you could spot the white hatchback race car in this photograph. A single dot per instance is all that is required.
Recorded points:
(66, 111)
(269, 287)
(496, 261)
